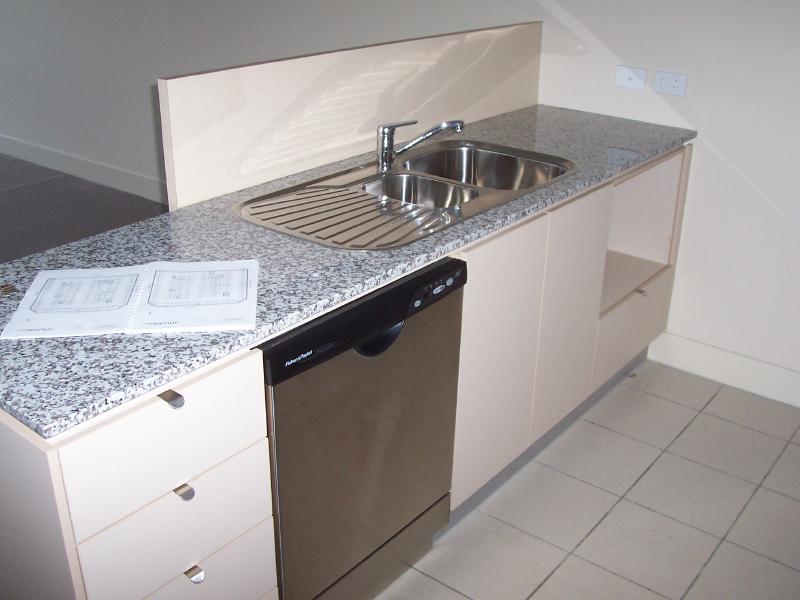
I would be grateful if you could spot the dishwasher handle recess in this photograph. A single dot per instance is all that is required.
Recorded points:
(380, 342)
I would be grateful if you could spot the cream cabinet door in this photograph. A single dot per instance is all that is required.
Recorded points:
(499, 338)
(576, 254)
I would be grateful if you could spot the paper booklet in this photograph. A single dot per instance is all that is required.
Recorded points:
(152, 298)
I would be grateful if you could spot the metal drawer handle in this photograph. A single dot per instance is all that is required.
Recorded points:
(195, 574)
(173, 398)
(642, 292)
(185, 492)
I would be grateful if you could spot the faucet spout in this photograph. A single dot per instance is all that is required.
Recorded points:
(386, 150)
(457, 126)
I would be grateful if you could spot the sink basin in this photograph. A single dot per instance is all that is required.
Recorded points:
(437, 184)
(488, 166)
(415, 189)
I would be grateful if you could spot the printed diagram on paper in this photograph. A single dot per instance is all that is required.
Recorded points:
(156, 297)
(198, 288)
(83, 294)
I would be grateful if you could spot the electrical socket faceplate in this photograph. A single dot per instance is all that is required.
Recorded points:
(631, 77)
(673, 84)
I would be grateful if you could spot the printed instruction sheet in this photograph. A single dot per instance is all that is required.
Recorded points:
(156, 297)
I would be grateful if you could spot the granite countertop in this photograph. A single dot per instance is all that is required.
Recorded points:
(51, 385)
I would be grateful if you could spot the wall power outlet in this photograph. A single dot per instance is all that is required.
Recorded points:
(673, 84)
(631, 77)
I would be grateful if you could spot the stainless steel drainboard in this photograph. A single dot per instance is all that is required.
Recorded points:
(345, 217)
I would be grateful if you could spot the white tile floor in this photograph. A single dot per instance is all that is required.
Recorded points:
(671, 486)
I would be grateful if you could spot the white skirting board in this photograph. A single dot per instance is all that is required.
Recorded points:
(727, 367)
(114, 177)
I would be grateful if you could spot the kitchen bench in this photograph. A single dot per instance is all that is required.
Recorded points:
(96, 461)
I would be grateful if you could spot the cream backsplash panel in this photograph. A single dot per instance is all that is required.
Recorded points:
(231, 129)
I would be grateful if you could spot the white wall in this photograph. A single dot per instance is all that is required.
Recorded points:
(735, 313)
(77, 76)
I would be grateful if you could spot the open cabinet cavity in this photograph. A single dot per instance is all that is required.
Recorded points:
(647, 209)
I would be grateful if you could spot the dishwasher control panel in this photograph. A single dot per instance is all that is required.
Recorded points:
(366, 324)
(437, 288)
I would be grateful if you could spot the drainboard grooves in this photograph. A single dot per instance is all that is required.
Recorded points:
(418, 231)
(387, 218)
(283, 207)
(363, 241)
(349, 216)
(302, 194)
(345, 217)
(288, 198)
(301, 218)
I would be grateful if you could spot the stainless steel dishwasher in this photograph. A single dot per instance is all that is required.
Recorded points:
(361, 415)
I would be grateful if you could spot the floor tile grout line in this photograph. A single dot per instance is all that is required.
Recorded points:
(638, 479)
(630, 437)
(586, 419)
(775, 437)
(625, 496)
(764, 556)
(548, 576)
(627, 435)
(791, 439)
(625, 383)
(30, 184)
(596, 525)
(784, 494)
(735, 521)
(431, 577)
(647, 470)
(697, 462)
(528, 533)
(671, 518)
(662, 451)
(568, 553)
(628, 579)
(594, 485)
(554, 469)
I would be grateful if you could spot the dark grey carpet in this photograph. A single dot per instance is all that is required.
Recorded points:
(41, 208)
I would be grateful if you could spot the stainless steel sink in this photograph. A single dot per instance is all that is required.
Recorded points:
(488, 166)
(422, 191)
(437, 184)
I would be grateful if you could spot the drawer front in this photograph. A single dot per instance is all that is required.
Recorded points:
(630, 326)
(145, 551)
(244, 569)
(116, 469)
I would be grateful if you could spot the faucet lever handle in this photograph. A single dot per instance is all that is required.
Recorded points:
(386, 144)
(395, 125)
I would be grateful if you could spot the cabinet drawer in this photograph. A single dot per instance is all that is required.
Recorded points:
(629, 327)
(145, 551)
(244, 569)
(116, 469)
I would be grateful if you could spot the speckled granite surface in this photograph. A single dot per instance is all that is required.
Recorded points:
(53, 384)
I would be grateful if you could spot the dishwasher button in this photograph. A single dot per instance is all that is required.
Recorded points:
(417, 303)
(438, 289)
(449, 282)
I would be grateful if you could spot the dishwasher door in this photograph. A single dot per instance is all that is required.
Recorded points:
(362, 445)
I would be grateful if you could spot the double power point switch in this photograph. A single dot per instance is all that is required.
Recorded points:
(673, 84)
(664, 82)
